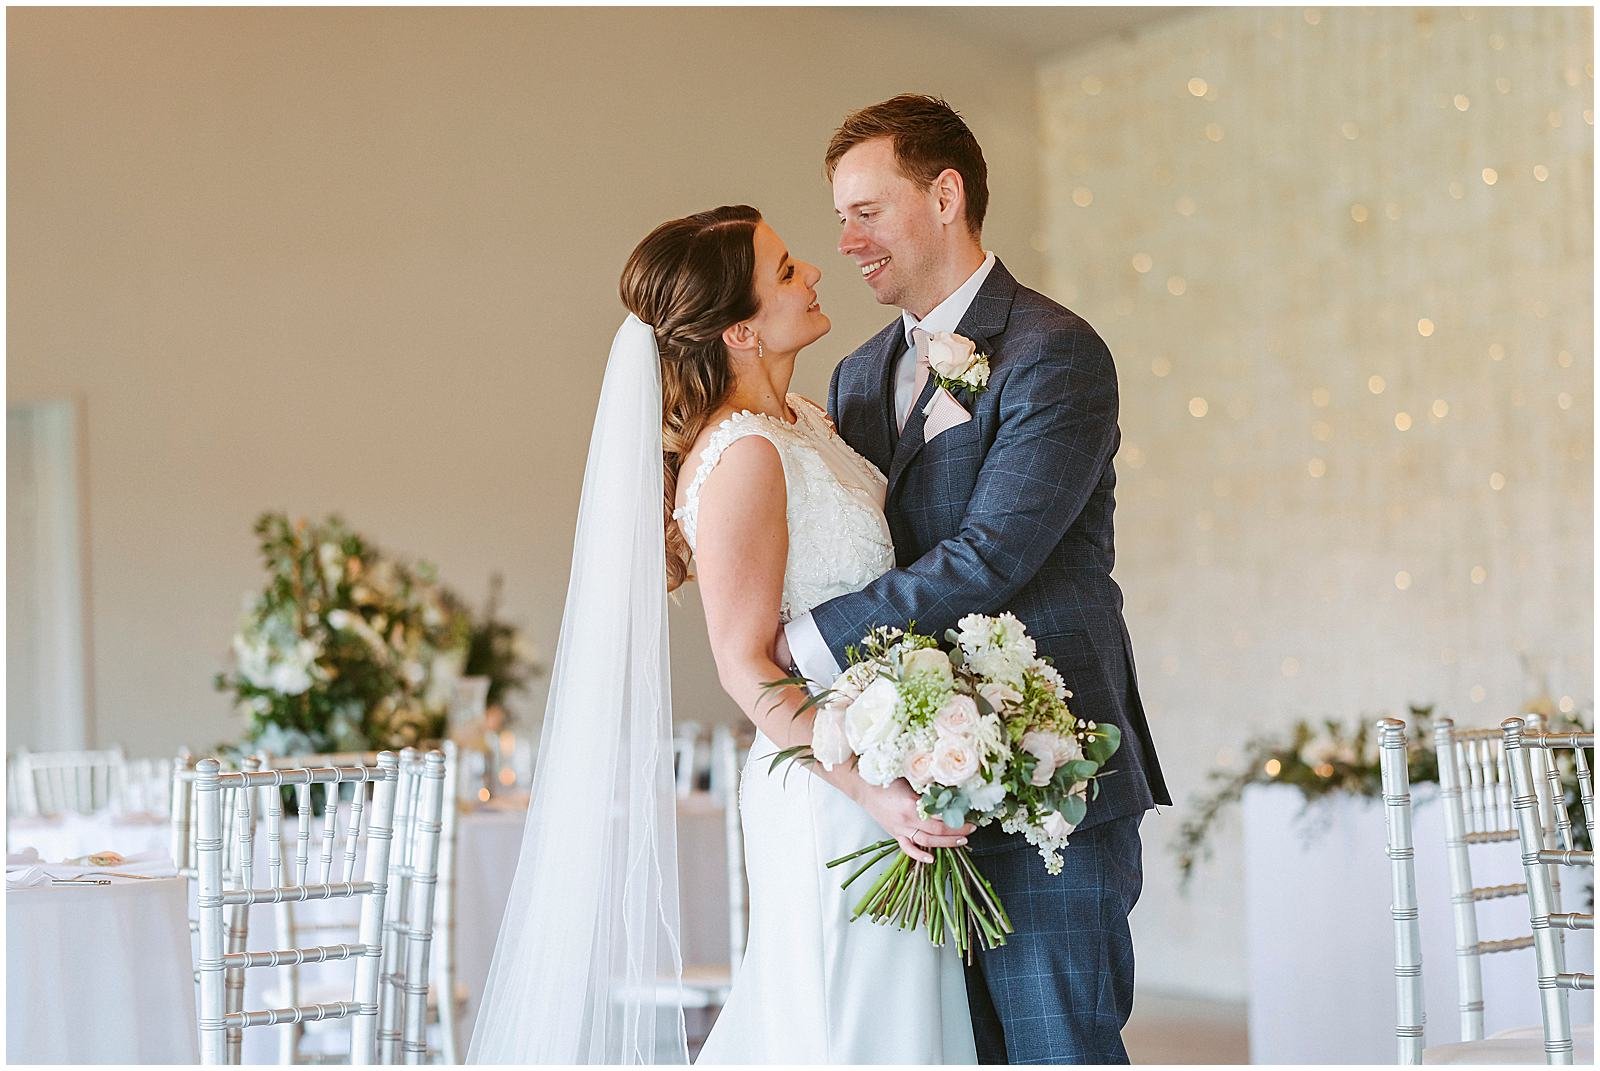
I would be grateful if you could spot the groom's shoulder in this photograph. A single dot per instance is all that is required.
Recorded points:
(1049, 324)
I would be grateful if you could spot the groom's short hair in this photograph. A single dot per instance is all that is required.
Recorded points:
(928, 136)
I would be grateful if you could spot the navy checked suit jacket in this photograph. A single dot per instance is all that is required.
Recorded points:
(1010, 511)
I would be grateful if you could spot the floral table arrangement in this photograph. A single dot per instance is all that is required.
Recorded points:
(347, 648)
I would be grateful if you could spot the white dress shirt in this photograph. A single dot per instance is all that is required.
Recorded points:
(810, 651)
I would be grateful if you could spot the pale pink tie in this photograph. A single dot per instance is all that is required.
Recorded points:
(919, 342)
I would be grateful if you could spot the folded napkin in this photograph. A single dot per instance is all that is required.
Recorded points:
(24, 877)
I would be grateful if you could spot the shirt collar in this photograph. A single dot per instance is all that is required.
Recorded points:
(946, 316)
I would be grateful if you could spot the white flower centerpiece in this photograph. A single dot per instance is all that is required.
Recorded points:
(344, 649)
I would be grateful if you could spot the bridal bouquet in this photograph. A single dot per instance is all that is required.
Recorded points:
(984, 734)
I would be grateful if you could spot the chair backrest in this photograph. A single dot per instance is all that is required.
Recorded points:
(146, 787)
(58, 782)
(1410, 1013)
(369, 826)
(1534, 835)
(1475, 791)
(418, 848)
(686, 756)
(727, 758)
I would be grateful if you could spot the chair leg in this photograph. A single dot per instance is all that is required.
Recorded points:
(238, 940)
(290, 1035)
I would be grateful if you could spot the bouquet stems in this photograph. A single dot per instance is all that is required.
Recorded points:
(949, 895)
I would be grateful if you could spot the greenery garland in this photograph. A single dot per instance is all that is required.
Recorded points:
(1330, 760)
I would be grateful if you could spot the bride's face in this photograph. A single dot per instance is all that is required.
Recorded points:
(791, 313)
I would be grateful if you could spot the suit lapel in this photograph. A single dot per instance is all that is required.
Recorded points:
(984, 321)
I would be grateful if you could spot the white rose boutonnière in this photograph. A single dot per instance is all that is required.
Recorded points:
(955, 363)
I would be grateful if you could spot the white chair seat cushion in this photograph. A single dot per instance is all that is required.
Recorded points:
(1523, 1045)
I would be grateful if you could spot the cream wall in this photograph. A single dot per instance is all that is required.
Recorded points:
(1255, 245)
(366, 260)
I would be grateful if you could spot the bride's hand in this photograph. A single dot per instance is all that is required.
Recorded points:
(894, 807)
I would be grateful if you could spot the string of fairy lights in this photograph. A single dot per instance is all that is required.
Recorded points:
(1494, 172)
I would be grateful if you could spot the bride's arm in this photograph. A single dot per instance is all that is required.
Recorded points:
(741, 549)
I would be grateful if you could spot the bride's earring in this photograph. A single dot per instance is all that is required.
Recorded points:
(761, 350)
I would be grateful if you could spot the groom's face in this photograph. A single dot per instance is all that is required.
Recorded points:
(890, 225)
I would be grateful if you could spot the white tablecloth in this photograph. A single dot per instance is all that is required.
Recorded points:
(100, 974)
(487, 849)
(74, 835)
(1321, 944)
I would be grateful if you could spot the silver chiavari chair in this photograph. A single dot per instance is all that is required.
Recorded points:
(145, 787)
(1410, 1015)
(58, 782)
(1475, 793)
(727, 755)
(448, 994)
(1538, 856)
(407, 1034)
(1477, 796)
(409, 840)
(686, 756)
(370, 827)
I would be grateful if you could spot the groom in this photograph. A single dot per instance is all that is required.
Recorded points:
(997, 501)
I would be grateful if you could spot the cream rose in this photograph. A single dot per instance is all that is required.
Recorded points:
(954, 761)
(999, 695)
(928, 660)
(950, 354)
(958, 717)
(918, 769)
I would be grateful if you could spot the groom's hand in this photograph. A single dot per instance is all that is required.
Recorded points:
(894, 807)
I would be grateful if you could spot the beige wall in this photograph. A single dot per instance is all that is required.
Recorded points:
(365, 260)
(1322, 195)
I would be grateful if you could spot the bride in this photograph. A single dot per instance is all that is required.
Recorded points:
(699, 451)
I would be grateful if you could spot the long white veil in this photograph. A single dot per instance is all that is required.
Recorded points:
(587, 969)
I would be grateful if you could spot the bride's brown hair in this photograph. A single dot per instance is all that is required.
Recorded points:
(691, 279)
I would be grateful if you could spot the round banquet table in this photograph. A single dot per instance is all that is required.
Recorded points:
(488, 845)
(100, 973)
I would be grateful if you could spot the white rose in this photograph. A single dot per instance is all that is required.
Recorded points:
(918, 769)
(928, 660)
(958, 717)
(870, 720)
(950, 354)
(999, 695)
(1056, 827)
(954, 761)
(1042, 746)
(986, 795)
(828, 742)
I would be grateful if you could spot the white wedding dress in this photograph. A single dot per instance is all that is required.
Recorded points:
(815, 987)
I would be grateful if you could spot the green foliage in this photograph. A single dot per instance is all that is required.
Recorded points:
(343, 648)
(1321, 761)
(496, 650)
